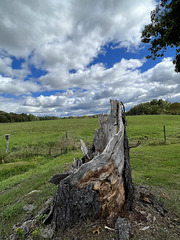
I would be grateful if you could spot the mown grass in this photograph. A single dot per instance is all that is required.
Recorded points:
(14, 189)
(149, 129)
(155, 163)
(37, 152)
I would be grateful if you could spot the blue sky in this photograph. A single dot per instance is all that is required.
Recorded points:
(70, 57)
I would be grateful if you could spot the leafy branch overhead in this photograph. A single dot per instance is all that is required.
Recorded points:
(164, 30)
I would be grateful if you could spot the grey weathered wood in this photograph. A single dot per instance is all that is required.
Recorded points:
(107, 171)
(56, 179)
(83, 147)
(66, 142)
(135, 145)
(77, 163)
(164, 130)
(72, 205)
(7, 136)
(149, 198)
(123, 227)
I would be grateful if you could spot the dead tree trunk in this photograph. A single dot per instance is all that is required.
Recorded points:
(100, 186)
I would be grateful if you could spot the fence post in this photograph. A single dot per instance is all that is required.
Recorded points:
(7, 136)
(66, 142)
(164, 128)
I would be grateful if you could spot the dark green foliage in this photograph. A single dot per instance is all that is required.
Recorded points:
(23, 117)
(150, 108)
(164, 30)
(175, 108)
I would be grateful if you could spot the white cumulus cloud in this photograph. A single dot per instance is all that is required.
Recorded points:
(62, 38)
(124, 82)
(62, 35)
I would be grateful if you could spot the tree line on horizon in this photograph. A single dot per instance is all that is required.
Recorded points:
(23, 117)
(155, 107)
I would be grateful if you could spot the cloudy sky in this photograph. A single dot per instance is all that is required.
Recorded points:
(69, 57)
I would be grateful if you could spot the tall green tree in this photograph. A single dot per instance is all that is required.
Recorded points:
(153, 107)
(164, 30)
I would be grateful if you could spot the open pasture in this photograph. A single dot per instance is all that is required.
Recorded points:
(37, 151)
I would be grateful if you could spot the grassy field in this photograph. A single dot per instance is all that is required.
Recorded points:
(37, 151)
(155, 163)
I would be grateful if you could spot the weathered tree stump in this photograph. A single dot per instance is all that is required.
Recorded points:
(100, 184)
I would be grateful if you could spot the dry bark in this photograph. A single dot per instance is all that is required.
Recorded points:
(102, 178)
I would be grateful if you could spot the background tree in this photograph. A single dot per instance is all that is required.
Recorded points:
(164, 30)
(175, 108)
(153, 107)
(23, 117)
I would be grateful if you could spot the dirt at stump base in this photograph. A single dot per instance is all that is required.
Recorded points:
(146, 224)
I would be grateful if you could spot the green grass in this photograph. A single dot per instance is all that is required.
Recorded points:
(14, 190)
(40, 136)
(149, 129)
(155, 163)
(37, 152)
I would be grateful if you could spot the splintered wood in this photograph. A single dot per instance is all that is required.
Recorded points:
(111, 190)
(105, 167)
